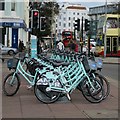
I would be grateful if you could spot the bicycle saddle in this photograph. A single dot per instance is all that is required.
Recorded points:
(57, 64)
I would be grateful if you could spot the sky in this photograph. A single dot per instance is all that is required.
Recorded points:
(90, 3)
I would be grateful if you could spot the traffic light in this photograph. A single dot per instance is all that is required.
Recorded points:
(77, 25)
(87, 25)
(43, 23)
(35, 19)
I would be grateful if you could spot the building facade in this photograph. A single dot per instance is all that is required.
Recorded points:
(70, 12)
(14, 22)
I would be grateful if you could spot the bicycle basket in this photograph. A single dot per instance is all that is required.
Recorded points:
(12, 63)
(92, 65)
(32, 65)
(99, 63)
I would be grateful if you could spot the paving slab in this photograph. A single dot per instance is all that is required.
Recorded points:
(67, 110)
(102, 113)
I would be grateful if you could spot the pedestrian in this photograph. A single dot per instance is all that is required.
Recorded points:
(81, 45)
(23, 47)
(20, 46)
(60, 46)
(76, 46)
(39, 49)
(72, 45)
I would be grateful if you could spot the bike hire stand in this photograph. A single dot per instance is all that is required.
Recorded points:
(33, 46)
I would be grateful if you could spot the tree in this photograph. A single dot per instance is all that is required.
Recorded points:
(47, 10)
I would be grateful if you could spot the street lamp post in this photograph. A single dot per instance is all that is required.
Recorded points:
(52, 26)
(105, 29)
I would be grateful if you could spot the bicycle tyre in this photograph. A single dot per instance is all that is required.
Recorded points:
(91, 97)
(105, 84)
(16, 83)
(98, 93)
(44, 96)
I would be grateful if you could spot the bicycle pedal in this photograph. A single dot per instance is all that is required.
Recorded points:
(68, 96)
(53, 97)
(29, 87)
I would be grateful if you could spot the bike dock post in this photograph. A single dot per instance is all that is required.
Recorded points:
(33, 46)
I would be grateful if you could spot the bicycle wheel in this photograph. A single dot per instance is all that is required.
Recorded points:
(45, 96)
(105, 84)
(90, 94)
(11, 85)
(98, 91)
(83, 86)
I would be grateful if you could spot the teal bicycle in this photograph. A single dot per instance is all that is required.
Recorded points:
(64, 79)
(89, 63)
(12, 81)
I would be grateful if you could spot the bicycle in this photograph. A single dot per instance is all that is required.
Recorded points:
(89, 67)
(12, 82)
(64, 79)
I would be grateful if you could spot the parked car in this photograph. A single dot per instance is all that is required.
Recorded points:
(92, 41)
(7, 50)
(92, 48)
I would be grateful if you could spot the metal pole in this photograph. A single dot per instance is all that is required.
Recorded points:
(52, 26)
(82, 35)
(74, 33)
(8, 42)
(105, 29)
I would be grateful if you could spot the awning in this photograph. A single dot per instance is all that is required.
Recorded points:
(13, 22)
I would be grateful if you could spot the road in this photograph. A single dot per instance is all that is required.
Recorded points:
(111, 70)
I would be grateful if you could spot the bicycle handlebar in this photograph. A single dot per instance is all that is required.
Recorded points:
(22, 57)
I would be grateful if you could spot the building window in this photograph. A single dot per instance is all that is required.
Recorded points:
(64, 25)
(77, 13)
(2, 5)
(119, 41)
(69, 24)
(13, 6)
(112, 23)
(60, 17)
(59, 23)
(69, 18)
(64, 19)
(59, 30)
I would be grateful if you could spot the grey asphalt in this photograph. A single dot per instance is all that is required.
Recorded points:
(25, 105)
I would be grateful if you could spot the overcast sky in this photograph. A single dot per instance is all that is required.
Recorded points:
(90, 3)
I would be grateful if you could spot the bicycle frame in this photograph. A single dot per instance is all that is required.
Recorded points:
(28, 77)
(75, 73)
(68, 84)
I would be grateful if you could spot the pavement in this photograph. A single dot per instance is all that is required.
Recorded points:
(25, 105)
